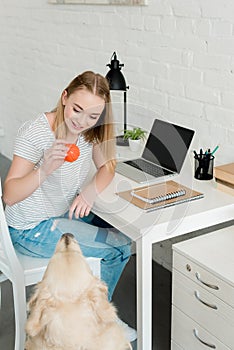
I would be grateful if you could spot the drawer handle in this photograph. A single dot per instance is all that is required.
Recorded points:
(212, 306)
(212, 286)
(212, 346)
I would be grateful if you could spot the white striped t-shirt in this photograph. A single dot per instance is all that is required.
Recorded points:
(55, 195)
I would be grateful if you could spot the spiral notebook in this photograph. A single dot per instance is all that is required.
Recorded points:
(160, 195)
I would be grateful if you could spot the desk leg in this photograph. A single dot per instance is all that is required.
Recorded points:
(144, 294)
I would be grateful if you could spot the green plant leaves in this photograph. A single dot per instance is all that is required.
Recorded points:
(134, 134)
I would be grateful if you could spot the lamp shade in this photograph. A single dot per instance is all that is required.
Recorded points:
(114, 76)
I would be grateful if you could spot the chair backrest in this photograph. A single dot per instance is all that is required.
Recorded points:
(9, 262)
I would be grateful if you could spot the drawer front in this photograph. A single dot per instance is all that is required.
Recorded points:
(175, 346)
(184, 330)
(206, 279)
(204, 308)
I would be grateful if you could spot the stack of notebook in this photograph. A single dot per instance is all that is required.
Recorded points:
(160, 195)
(224, 176)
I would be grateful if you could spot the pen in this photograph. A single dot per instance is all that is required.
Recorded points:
(208, 154)
(214, 150)
(195, 153)
(201, 153)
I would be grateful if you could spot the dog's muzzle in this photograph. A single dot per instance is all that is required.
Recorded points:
(67, 237)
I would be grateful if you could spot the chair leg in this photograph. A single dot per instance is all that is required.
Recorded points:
(19, 295)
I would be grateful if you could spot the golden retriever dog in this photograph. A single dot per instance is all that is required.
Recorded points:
(69, 309)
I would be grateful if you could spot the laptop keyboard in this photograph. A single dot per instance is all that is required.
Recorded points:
(148, 167)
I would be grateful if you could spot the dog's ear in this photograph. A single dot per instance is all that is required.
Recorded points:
(103, 309)
(33, 299)
(98, 290)
(39, 306)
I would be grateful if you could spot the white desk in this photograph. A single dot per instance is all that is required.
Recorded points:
(148, 228)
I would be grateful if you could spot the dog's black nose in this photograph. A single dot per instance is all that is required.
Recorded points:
(66, 237)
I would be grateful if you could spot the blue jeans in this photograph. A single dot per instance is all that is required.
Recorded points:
(107, 243)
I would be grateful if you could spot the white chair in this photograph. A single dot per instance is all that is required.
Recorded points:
(22, 271)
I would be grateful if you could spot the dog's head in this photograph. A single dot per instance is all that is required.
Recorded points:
(68, 273)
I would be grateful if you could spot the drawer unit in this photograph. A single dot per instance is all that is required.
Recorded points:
(203, 292)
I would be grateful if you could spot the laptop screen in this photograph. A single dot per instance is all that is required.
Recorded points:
(167, 145)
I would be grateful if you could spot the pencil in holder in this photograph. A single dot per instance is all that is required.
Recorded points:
(204, 165)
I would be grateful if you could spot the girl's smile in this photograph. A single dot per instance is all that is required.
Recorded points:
(76, 125)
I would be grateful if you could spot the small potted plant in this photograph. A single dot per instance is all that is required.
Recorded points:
(134, 136)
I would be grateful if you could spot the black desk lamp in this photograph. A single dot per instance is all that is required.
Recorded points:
(117, 82)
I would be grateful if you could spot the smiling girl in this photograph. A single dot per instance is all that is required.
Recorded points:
(46, 196)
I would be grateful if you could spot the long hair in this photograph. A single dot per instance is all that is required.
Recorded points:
(103, 131)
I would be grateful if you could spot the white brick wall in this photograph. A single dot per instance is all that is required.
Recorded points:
(178, 56)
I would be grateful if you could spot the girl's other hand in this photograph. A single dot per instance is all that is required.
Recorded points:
(54, 156)
(80, 207)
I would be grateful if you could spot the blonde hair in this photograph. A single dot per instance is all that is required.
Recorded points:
(103, 132)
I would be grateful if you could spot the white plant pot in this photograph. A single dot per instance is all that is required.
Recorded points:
(134, 145)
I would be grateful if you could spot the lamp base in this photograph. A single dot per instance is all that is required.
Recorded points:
(120, 141)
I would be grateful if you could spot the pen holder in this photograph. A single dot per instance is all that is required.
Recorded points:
(204, 164)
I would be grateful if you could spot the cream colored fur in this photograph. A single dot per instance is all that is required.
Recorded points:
(69, 309)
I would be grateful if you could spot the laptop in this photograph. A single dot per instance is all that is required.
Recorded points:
(163, 155)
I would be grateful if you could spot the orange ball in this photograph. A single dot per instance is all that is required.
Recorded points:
(73, 152)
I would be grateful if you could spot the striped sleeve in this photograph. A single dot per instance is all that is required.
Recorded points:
(26, 143)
